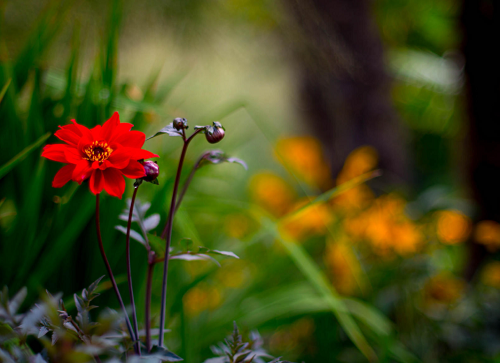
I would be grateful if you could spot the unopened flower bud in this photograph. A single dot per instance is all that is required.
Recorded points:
(215, 133)
(152, 170)
(180, 123)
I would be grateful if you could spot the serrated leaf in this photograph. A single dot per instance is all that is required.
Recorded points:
(240, 357)
(55, 337)
(151, 222)
(93, 285)
(17, 300)
(216, 360)
(224, 253)
(193, 257)
(37, 359)
(217, 252)
(217, 157)
(79, 303)
(133, 234)
(164, 354)
(42, 332)
(169, 130)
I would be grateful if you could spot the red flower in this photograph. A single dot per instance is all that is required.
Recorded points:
(103, 154)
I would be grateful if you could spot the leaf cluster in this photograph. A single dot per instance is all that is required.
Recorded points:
(235, 350)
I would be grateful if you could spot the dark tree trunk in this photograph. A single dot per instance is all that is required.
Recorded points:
(344, 90)
(481, 28)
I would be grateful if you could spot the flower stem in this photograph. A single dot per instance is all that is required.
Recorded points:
(167, 234)
(149, 283)
(110, 272)
(129, 273)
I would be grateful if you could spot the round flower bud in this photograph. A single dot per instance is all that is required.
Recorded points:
(152, 170)
(180, 123)
(215, 133)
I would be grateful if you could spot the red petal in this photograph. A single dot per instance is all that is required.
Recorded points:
(56, 152)
(132, 139)
(82, 171)
(63, 176)
(96, 133)
(114, 183)
(96, 183)
(119, 158)
(134, 170)
(68, 135)
(83, 131)
(138, 154)
(109, 126)
(119, 130)
(73, 155)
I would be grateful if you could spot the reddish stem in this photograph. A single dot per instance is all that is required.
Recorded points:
(167, 234)
(110, 272)
(129, 272)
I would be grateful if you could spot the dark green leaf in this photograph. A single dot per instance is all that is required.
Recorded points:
(157, 244)
(4, 89)
(4, 169)
(93, 285)
(164, 354)
(169, 130)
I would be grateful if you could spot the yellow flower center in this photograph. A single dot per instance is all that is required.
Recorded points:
(97, 151)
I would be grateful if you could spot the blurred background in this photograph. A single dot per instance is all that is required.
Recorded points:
(402, 266)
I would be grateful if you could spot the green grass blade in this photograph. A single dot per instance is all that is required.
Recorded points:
(4, 89)
(311, 271)
(4, 169)
(326, 196)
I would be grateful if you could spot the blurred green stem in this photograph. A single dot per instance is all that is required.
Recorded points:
(188, 182)
(129, 273)
(149, 282)
(167, 233)
(110, 272)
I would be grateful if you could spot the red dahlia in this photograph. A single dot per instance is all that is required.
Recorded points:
(103, 154)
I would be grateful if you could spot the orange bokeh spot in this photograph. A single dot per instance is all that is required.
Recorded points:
(453, 226)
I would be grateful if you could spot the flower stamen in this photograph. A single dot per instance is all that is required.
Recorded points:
(97, 151)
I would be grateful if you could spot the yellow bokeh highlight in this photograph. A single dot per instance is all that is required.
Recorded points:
(343, 267)
(237, 225)
(200, 298)
(272, 193)
(359, 162)
(491, 274)
(304, 155)
(453, 227)
(386, 227)
(310, 221)
(488, 234)
(233, 273)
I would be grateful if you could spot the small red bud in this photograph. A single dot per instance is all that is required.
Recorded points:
(215, 133)
(180, 123)
(152, 170)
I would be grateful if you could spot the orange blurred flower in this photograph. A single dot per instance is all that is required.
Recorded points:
(272, 193)
(303, 154)
(491, 274)
(453, 226)
(387, 228)
(310, 221)
(343, 267)
(359, 162)
(488, 234)
(201, 297)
